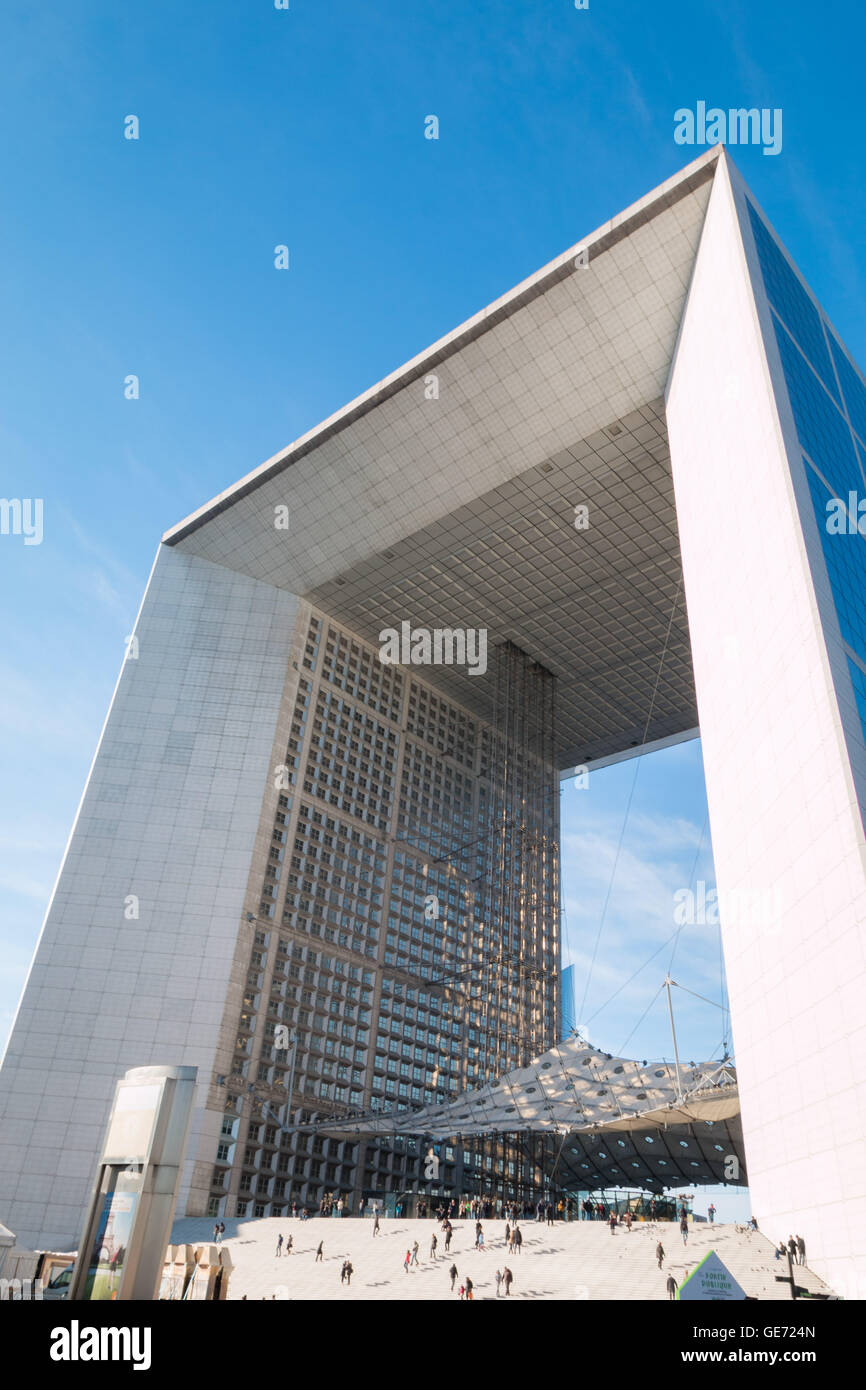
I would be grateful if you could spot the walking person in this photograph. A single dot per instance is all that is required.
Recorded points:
(684, 1228)
(433, 1243)
(801, 1249)
(376, 1224)
(671, 1286)
(414, 1259)
(498, 1277)
(453, 1272)
(711, 1212)
(792, 1249)
(319, 1252)
(222, 1233)
(628, 1221)
(279, 1246)
(660, 1253)
(508, 1280)
(448, 1235)
(612, 1223)
(469, 1287)
(517, 1239)
(216, 1232)
(350, 1270)
(407, 1261)
(289, 1243)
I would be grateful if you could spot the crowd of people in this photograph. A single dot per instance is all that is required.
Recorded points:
(329, 1207)
(466, 1292)
(478, 1210)
(513, 1239)
(796, 1248)
(503, 1278)
(484, 1209)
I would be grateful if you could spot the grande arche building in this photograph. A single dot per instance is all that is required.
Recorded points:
(272, 810)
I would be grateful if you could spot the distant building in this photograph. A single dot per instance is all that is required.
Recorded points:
(567, 1016)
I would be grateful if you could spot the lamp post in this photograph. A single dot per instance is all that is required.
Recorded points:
(668, 983)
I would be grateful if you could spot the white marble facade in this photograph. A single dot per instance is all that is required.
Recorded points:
(168, 817)
(772, 690)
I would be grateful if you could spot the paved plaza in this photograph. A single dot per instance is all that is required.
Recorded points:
(581, 1260)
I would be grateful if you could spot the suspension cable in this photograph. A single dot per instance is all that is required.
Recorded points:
(638, 763)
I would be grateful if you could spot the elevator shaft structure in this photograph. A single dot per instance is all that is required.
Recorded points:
(516, 983)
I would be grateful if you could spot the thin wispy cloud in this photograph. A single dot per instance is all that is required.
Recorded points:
(620, 875)
(22, 886)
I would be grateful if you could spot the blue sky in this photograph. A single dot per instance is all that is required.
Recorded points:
(636, 835)
(305, 127)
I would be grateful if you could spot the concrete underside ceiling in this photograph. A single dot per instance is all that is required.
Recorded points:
(595, 607)
(459, 511)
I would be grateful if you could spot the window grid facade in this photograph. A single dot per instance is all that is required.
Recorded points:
(828, 401)
(366, 931)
